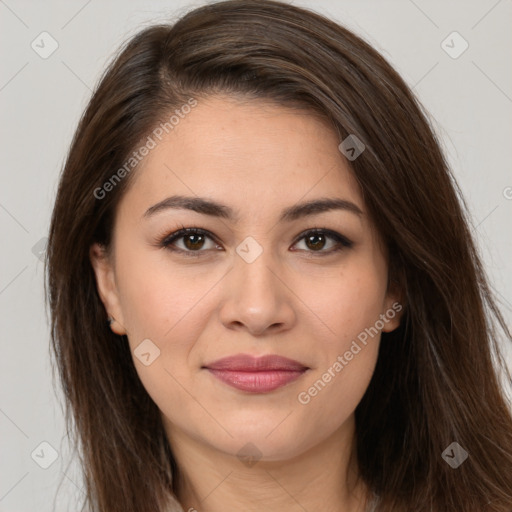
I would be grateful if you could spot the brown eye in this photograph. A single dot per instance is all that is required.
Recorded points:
(317, 240)
(192, 240)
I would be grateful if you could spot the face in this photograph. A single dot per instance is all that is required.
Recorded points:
(261, 275)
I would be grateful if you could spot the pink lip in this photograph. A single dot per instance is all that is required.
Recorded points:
(256, 374)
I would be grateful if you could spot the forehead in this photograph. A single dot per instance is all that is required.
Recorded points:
(251, 154)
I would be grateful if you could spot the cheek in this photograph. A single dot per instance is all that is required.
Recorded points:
(337, 384)
(350, 306)
(345, 301)
(157, 299)
(169, 307)
(335, 391)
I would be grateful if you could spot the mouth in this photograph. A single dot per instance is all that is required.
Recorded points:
(256, 374)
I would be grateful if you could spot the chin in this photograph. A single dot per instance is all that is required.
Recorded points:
(256, 440)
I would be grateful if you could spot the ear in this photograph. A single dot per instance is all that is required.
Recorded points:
(393, 307)
(106, 285)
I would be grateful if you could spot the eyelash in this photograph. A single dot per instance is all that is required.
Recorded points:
(166, 242)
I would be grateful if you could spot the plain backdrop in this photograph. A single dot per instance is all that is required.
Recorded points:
(469, 97)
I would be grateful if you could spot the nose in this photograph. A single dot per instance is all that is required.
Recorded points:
(256, 297)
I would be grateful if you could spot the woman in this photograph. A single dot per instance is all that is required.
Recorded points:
(264, 291)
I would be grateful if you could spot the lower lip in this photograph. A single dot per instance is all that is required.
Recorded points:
(257, 382)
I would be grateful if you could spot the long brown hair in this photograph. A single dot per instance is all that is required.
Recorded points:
(435, 381)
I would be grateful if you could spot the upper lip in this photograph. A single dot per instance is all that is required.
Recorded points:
(248, 363)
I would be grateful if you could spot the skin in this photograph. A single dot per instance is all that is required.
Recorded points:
(296, 300)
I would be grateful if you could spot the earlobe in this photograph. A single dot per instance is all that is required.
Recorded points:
(394, 308)
(392, 315)
(394, 303)
(107, 288)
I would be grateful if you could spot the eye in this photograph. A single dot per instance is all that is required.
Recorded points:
(315, 241)
(193, 240)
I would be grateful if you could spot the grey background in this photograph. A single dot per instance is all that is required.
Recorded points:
(469, 98)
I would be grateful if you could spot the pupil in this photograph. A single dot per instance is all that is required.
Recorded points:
(310, 241)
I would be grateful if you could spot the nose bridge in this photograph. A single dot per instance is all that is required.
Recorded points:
(256, 297)
(255, 268)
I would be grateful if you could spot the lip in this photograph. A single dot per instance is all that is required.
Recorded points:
(256, 374)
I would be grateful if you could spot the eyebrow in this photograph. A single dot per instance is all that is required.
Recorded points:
(215, 209)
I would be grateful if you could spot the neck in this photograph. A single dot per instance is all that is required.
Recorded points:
(321, 478)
